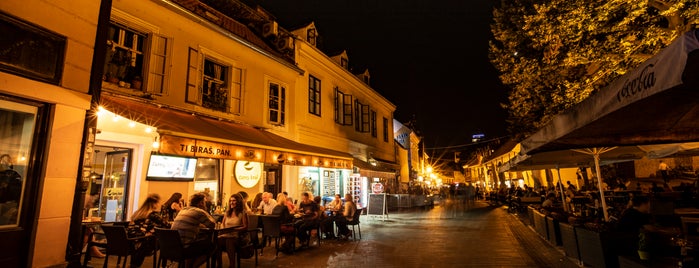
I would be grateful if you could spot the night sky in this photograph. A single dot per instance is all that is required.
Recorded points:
(428, 57)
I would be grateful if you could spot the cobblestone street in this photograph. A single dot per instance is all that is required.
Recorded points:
(439, 237)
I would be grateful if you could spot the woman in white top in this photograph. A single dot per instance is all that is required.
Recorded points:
(236, 219)
(336, 204)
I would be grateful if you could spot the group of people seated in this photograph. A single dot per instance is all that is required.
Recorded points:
(192, 219)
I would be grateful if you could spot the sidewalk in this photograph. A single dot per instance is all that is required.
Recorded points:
(439, 237)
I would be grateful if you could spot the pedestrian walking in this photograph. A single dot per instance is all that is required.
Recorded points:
(664, 171)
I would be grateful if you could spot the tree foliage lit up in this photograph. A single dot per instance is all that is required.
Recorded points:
(552, 54)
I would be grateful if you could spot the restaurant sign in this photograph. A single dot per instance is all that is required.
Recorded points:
(247, 173)
(207, 149)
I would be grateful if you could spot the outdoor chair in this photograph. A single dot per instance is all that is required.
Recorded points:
(172, 249)
(253, 231)
(355, 222)
(319, 234)
(119, 244)
(92, 241)
(271, 229)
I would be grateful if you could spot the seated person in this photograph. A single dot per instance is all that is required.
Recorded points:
(188, 222)
(143, 223)
(635, 220)
(267, 203)
(287, 229)
(310, 217)
(341, 220)
(550, 199)
(326, 221)
(336, 204)
(236, 219)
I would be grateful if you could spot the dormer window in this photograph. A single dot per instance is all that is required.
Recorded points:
(311, 36)
(366, 79)
(344, 63)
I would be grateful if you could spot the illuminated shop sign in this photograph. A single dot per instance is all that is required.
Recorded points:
(247, 173)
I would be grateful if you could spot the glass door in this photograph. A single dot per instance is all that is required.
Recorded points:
(114, 195)
(22, 137)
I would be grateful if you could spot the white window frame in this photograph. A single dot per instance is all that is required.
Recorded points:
(281, 102)
(195, 79)
(154, 63)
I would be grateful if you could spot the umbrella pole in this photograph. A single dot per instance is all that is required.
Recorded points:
(596, 154)
(560, 182)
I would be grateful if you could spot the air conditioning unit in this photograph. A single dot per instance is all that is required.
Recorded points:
(285, 43)
(270, 28)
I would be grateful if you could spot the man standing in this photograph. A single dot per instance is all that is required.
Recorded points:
(267, 204)
(188, 222)
(664, 169)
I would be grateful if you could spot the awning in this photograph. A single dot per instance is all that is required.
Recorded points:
(576, 158)
(382, 169)
(188, 134)
(658, 102)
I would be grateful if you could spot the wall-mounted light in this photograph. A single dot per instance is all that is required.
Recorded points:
(156, 143)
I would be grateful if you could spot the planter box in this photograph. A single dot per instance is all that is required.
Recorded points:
(554, 232)
(540, 225)
(530, 215)
(569, 240)
(601, 249)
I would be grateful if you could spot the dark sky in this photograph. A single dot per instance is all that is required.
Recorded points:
(428, 57)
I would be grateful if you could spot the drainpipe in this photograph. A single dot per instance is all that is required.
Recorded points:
(75, 239)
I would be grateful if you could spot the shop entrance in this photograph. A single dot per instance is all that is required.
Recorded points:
(109, 183)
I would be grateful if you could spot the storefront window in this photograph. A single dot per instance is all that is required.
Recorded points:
(207, 180)
(309, 181)
(17, 123)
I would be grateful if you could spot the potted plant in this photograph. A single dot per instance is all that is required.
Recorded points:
(136, 82)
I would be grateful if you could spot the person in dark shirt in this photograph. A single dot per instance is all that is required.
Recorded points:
(310, 217)
(634, 220)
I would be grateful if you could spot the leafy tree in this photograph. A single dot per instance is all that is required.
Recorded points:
(552, 54)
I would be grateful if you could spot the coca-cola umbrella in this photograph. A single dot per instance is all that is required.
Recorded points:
(657, 103)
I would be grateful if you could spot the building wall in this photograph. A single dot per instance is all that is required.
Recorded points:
(322, 130)
(69, 101)
(186, 31)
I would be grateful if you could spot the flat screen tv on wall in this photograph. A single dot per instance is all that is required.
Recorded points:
(171, 168)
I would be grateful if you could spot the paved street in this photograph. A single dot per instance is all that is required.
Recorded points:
(438, 237)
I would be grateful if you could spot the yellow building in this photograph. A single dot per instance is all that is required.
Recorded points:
(339, 110)
(45, 67)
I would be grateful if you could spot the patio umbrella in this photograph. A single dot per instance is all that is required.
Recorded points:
(654, 104)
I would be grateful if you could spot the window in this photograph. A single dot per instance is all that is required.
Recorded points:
(313, 95)
(385, 129)
(213, 84)
(31, 51)
(277, 98)
(343, 108)
(361, 117)
(311, 36)
(128, 62)
(373, 124)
